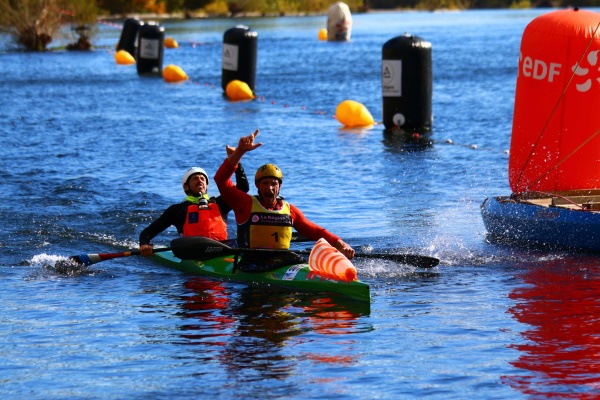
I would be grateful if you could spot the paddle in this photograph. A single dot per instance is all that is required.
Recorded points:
(89, 259)
(200, 248)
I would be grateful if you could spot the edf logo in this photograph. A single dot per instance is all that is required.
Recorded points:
(539, 69)
(586, 72)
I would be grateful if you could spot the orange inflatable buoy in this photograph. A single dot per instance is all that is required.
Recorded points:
(322, 34)
(173, 73)
(554, 143)
(171, 43)
(238, 90)
(122, 57)
(353, 114)
(326, 261)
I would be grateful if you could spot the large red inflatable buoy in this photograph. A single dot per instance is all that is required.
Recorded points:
(555, 141)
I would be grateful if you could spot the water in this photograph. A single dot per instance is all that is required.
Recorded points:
(92, 153)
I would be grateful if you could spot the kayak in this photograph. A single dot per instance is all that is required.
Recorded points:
(295, 277)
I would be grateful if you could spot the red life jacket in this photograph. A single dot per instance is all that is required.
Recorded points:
(205, 220)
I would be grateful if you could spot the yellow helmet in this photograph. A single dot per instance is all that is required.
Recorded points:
(268, 171)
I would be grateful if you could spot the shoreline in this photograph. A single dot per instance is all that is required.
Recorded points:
(256, 14)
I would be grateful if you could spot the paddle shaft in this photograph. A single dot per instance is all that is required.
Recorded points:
(412, 259)
(199, 248)
(89, 259)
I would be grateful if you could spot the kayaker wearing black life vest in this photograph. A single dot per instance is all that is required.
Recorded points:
(266, 220)
(198, 215)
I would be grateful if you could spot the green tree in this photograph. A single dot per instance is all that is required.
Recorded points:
(34, 23)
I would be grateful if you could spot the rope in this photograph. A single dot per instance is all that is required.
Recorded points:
(566, 158)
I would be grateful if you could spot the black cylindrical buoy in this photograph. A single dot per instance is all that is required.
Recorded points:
(406, 78)
(240, 46)
(129, 36)
(150, 50)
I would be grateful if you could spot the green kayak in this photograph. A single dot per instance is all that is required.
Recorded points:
(295, 277)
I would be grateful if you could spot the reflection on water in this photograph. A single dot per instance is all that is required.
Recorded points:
(255, 327)
(560, 355)
(209, 303)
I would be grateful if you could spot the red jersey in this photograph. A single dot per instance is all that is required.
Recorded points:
(241, 203)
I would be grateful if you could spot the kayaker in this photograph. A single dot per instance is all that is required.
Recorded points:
(266, 220)
(199, 214)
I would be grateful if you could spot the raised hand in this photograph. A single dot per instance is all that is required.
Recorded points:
(245, 144)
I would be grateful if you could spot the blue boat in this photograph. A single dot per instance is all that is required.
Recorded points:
(566, 220)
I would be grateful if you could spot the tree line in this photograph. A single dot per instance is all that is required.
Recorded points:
(33, 23)
(295, 6)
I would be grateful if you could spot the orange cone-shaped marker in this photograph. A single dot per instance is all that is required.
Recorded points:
(326, 261)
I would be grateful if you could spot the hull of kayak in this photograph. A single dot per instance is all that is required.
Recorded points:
(295, 277)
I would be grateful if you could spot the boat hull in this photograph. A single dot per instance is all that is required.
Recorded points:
(296, 277)
(514, 221)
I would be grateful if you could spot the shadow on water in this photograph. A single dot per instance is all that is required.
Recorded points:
(252, 327)
(558, 304)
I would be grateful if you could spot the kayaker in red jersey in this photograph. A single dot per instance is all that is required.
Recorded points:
(266, 220)
(199, 214)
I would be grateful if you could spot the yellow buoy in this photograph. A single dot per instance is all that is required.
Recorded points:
(353, 114)
(323, 34)
(238, 90)
(173, 73)
(171, 43)
(123, 57)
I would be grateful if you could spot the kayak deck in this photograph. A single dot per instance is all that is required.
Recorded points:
(297, 277)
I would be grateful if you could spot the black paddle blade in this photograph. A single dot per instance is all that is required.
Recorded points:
(408, 259)
(414, 259)
(199, 248)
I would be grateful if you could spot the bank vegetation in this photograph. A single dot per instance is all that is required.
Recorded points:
(34, 23)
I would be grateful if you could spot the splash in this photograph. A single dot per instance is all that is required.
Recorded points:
(59, 265)
(383, 269)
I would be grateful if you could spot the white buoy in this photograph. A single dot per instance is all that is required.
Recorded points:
(339, 22)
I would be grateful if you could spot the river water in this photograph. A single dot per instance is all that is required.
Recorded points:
(92, 153)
